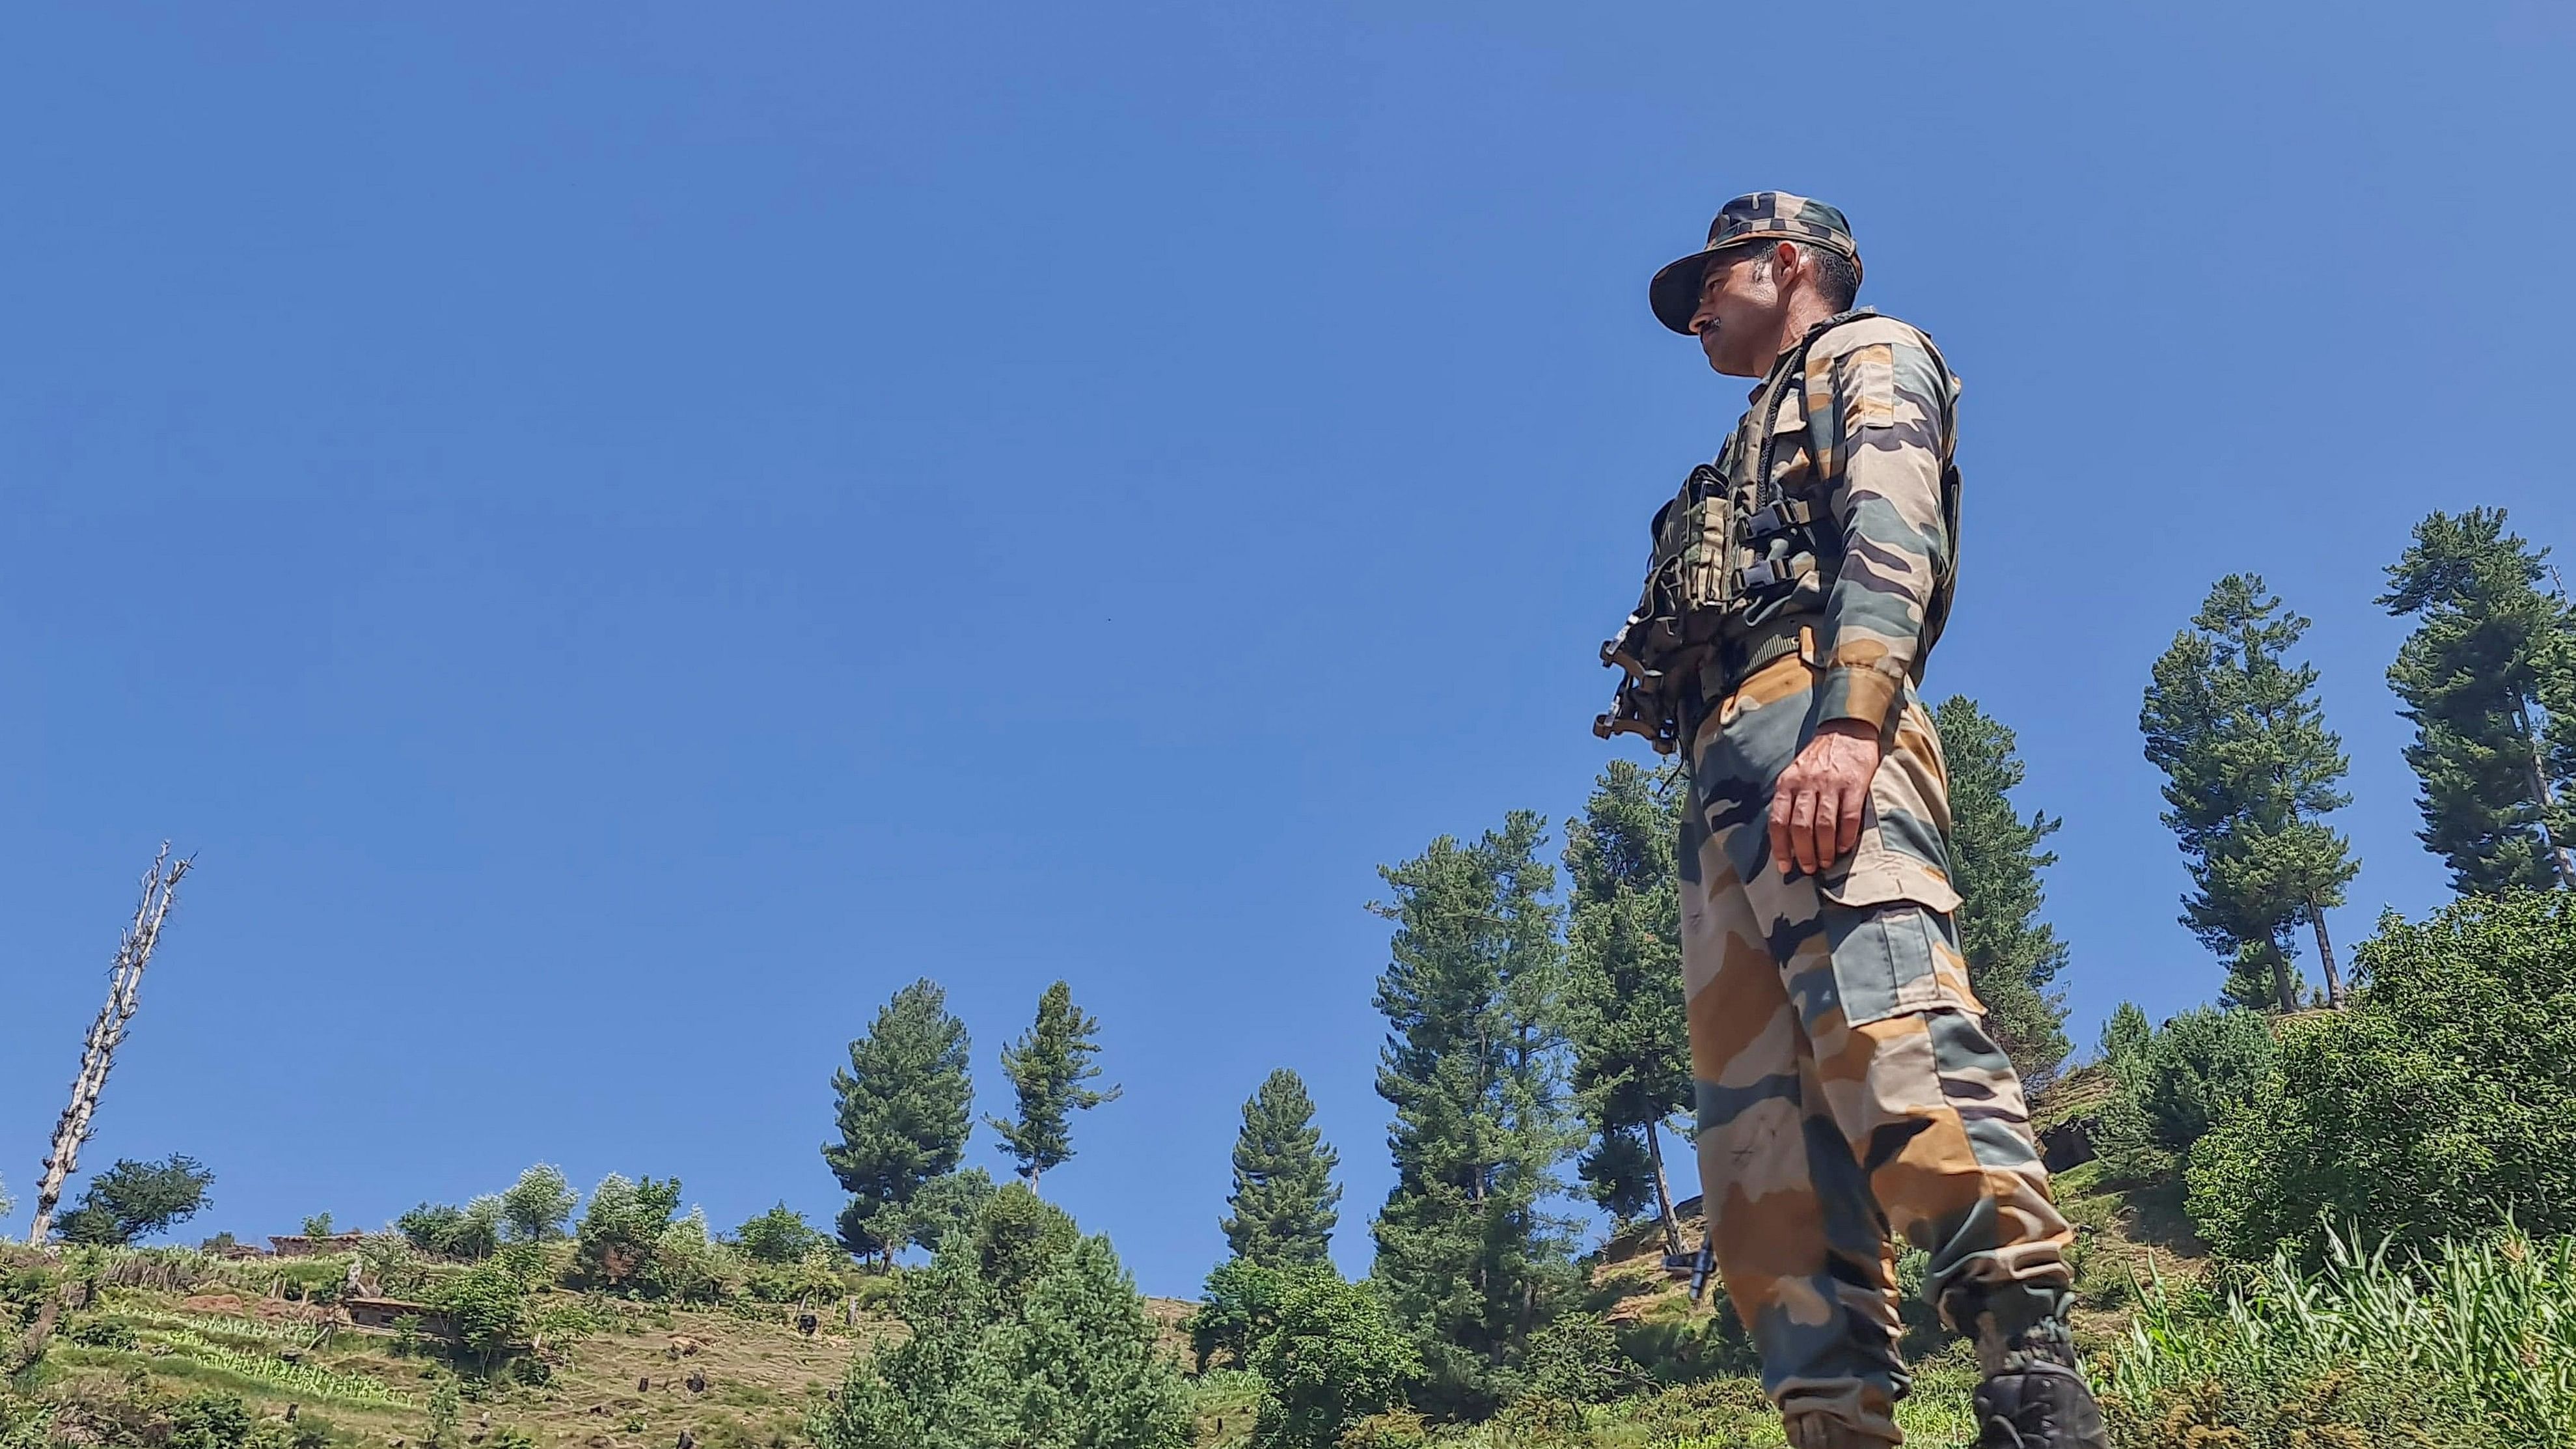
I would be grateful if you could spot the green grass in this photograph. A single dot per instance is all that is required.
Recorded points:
(2472, 1345)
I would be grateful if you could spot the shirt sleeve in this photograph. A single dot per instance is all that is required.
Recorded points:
(1890, 408)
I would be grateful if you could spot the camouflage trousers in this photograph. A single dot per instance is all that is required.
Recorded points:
(1846, 1086)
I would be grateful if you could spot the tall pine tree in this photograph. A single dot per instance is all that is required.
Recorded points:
(1995, 861)
(1624, 1014)
(1047, 1067)
(903, 1108)
(2250, 774)
(1470, 1263)
(1285, 1200)
(2489, 680)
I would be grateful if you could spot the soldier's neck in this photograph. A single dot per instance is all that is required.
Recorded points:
(1805, 311)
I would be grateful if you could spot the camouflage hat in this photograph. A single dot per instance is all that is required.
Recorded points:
(1758, 217)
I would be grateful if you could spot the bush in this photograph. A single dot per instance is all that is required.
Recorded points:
(2463, 1346)
(2174, 1084)
(470, 1233)
(1021, 1331)
(1332, 1358)
(2442, 1103)
(1237, 1305)
(622, 1230)
(780, 1235)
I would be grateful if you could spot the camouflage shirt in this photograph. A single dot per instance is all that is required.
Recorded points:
(1862, 435)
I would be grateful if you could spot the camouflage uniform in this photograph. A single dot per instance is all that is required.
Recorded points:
(1846, 1085)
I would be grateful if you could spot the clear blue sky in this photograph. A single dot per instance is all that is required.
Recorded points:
(621, 535)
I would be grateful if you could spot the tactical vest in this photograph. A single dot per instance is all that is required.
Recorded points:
(1725, 585)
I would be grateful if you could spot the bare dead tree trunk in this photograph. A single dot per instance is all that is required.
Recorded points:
(124, 989)
(1663, 1189)
(2325, 955)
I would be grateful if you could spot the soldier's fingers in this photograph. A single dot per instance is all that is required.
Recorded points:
(1780, 827)
(1828, 816)
(1855, 806)
(1802, 828)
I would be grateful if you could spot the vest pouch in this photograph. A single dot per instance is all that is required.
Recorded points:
(1695, 549)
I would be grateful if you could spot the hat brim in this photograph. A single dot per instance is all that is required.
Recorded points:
(1674, 293)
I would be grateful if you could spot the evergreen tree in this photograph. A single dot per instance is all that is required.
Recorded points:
(1995, 861)
(2489, 681)
(1047, 1068)
(1469, 1264)
(1624, 1013)
(904, 1107)
(2250, 774)
(1284, 1198)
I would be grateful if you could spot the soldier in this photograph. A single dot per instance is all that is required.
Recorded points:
(1846, 1085)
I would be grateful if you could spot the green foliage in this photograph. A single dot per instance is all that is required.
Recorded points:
(2126, 1034)
(472, 1232)
(537, 1206)
(620, 1240)
(317, 1227)
(1331, 1357)
(2443, 1102)
(2469, 1346)
(780, 1235)
(132, 1199)
(1468, 1263)
(1021, 1333)
(1284, 1196)
(1623, 1011)
(943, 1205)
(1995, 861)
(2489, 681)
(1237, 1305)
(2178, 1082)
(1047, 1067)
(489, 1306)
(903, 1110)
(2250, 774)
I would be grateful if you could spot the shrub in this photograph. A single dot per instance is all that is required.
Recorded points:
(1021, 1331)
(1332, 1358)
(1236, 1306)
(2443, 1103)
(780, 1235)
(2173, 1084)
(489, 1306)
(471, 1232)
(622, 1229)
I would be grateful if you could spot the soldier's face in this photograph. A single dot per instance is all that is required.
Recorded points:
(1738, 320)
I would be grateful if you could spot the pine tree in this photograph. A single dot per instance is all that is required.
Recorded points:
(2489, 681)
(1047, 1068)
(1995, 861)
(904, 1110)
(1284, 1197)
(2250, 772)
(1624, 1014)
(1469, 1263)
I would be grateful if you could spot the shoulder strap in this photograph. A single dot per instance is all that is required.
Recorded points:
(1792, 363)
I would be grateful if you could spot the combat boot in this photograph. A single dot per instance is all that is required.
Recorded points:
(1824, 1431)
(2035, 1396)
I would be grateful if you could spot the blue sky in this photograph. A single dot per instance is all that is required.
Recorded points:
(621, 535)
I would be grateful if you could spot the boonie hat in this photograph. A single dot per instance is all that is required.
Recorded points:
(1760, 216)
